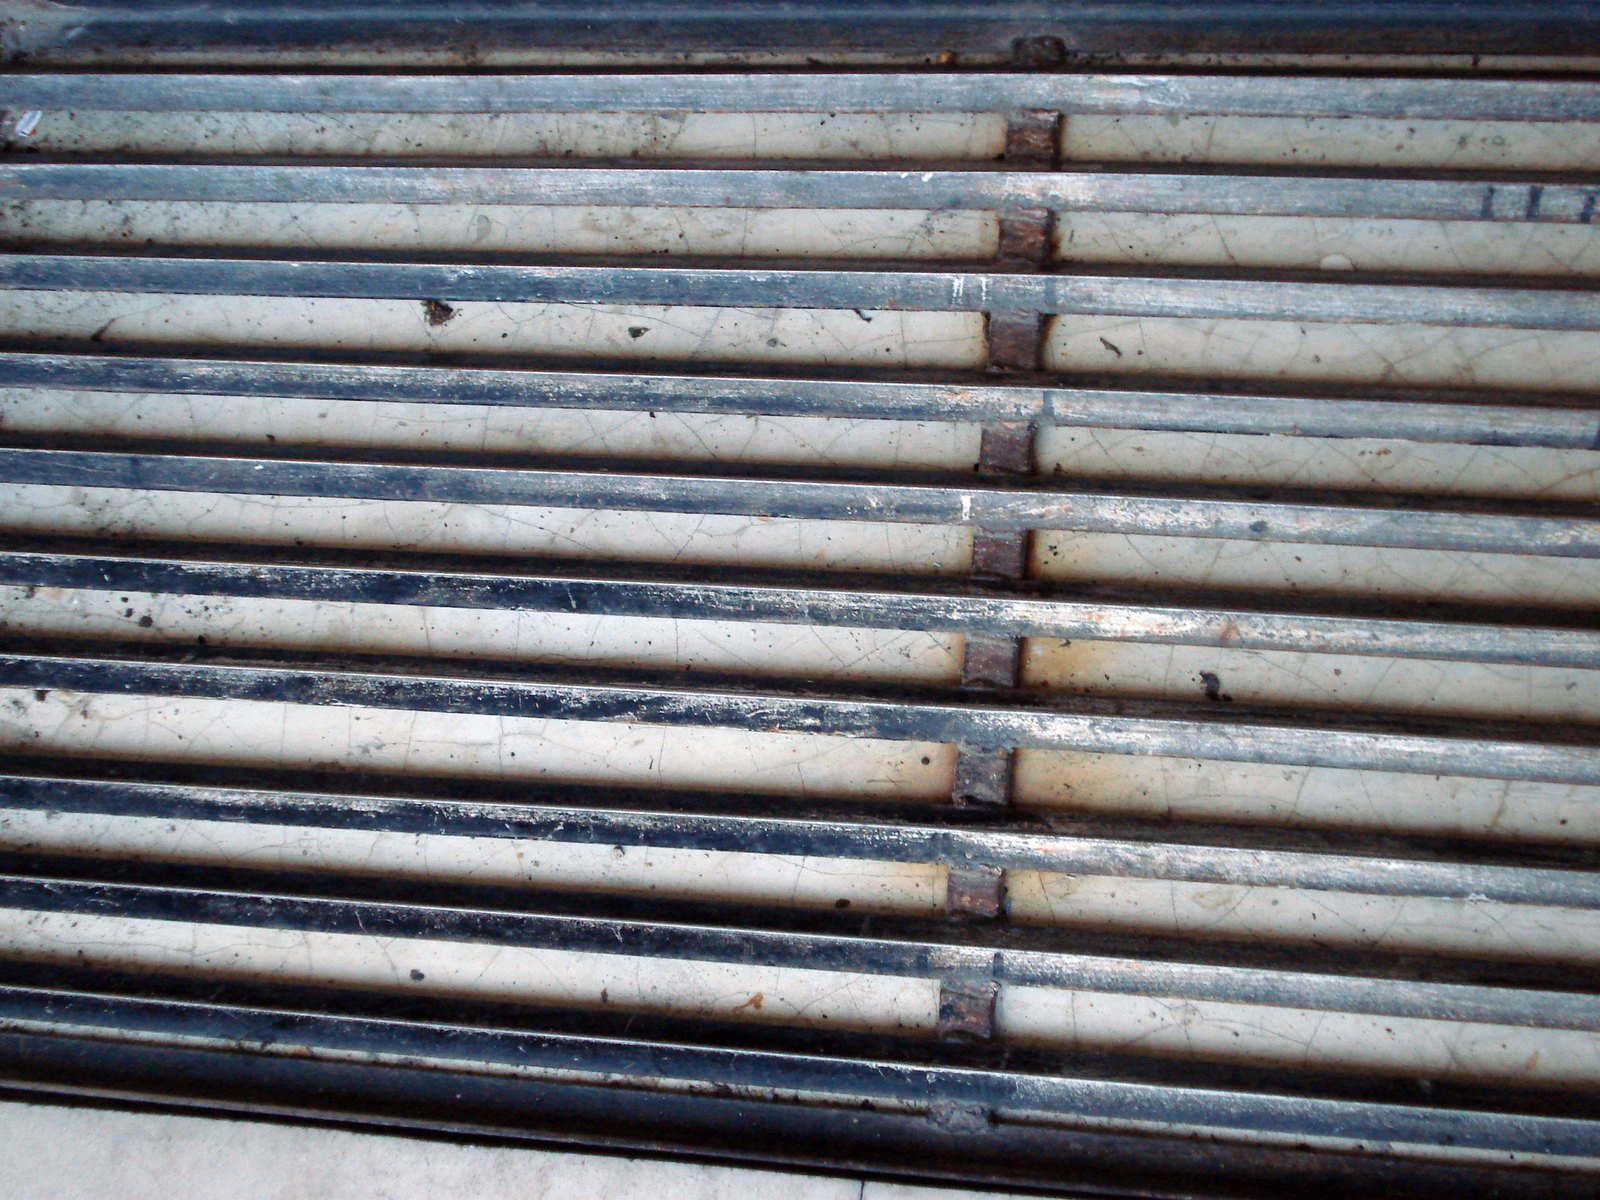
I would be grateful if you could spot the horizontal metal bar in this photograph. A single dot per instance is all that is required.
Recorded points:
(1250, 622)
(1048, 33)
(901, 1048)
(1555, 528)
(1464, 418)
(1538, 996)
(1196, 295)
(1433, 415)
(440, 1097)
(484, 1044)
(644, 388)
(1235, 855)
(1219, 192)
(489, 1038)
(1234, 733)
(1394, 98)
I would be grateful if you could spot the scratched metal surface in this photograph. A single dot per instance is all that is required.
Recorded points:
(1291, 351)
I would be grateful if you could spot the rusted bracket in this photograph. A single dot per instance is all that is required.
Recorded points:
(966, 1009)
(1033, 137)
(976, 891)
(1016, 336)
(966, 1119)
(983, 774)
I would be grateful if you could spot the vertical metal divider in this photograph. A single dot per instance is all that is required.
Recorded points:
(984, 773)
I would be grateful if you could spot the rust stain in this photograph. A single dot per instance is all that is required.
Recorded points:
(438, 312)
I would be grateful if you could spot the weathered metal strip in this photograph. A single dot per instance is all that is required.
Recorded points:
(1531, 637)
(1123, 1092)
(1505, 873)
(1234, 733)
(1209, 294)
(1217, 192)
(1553, 528)
(1394, 98)
(1427, 415)
(1539, 996)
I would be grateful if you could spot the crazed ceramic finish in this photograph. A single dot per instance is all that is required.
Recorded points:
(268, 733)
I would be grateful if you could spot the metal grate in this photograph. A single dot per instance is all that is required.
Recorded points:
(963, 754)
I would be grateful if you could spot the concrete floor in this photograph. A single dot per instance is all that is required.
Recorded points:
(52, 1153)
